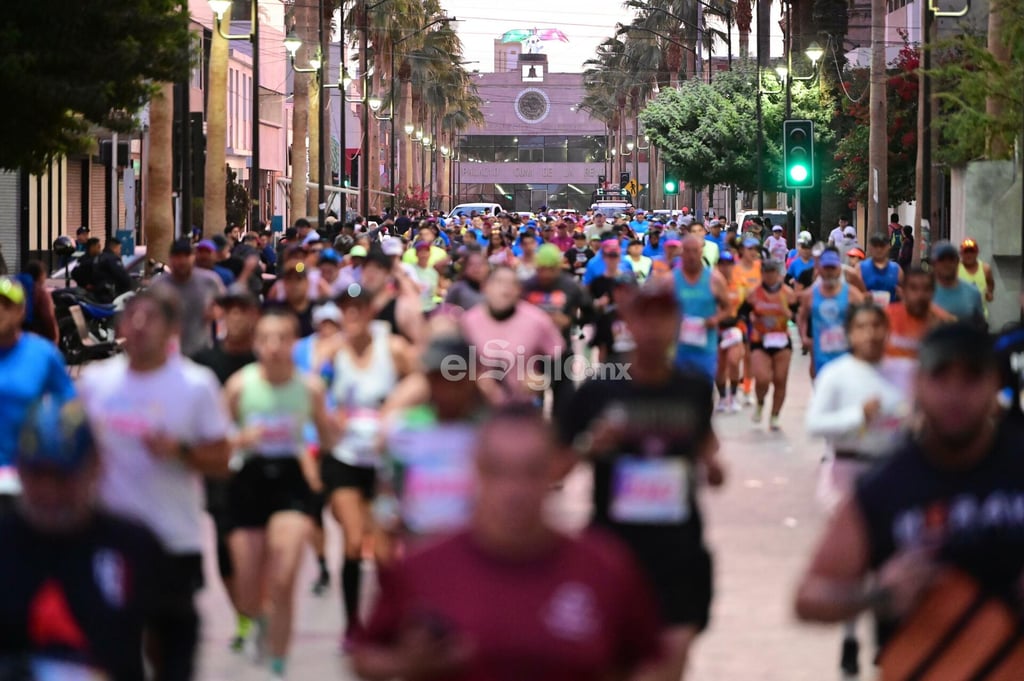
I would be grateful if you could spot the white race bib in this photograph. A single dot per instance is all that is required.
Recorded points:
(775, 339)
(650, 491)
(693, 331)
(9, 482)
(359, 444)
(436, 496)
(277, 435)
(832, 340)
(730, 337)
(881, 298)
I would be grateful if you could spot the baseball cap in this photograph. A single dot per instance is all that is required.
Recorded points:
(850, 230)
(805, 238)
(944, 249)
(958, 342)
(82, 230)
(393, 246)
(358, 251)
(673, 243)
(726, 256)
(442, 350)
(332, 256)
(328, 312)
(56, 436)
(830, 259)
(751, 242)
(549, 255)
(969, 245)
(182, 246)
(206, 245)
(12, 290)
(610, 246)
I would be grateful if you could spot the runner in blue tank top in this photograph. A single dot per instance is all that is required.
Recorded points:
(824, 305)
(703, 298)
(882, 277)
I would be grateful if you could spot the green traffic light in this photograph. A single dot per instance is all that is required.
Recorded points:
(798, 173)
(670, 186)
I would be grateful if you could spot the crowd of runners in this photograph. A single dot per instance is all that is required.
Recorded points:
(426, 383)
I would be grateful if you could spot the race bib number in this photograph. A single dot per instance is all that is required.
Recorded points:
(692, 331)
(650, 492)
(731, 337)
(436, 496)
(360, 441)
(277, 435)
(881, 298)
(775, 340)
(832, 340)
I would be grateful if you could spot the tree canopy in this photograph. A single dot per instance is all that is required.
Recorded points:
(68, 66)
(709, 132)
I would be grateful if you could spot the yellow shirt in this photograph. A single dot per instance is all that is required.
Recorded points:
(978, 279)
(437, 255)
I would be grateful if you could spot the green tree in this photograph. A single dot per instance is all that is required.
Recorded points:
(69, 65)
(851, 173)
(968, 74)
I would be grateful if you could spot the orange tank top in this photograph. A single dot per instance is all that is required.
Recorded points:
(905, 332)
(748, 279)
(769, 313)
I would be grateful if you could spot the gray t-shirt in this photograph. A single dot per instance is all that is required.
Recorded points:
(197, 293)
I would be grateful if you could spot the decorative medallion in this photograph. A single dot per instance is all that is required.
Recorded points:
(532, 106)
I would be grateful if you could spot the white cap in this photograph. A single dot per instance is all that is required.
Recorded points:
(328, 312)
(850, 230)
(312, 237)
(392, 246)
(777, 228)
(805, 236)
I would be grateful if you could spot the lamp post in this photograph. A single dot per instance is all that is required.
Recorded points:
(220, 8)
(814, 52)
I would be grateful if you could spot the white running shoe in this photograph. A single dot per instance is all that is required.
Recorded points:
(735, 404)
(773, 424)
(724, 404)
(758, 411)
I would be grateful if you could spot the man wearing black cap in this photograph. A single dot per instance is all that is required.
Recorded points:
(944, 503)
(196, 289)
(78, 582)
(81, 238)
(957, 297)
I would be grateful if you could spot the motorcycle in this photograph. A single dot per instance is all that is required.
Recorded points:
(100, 324)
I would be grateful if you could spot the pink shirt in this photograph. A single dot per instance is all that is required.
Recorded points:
(510, 349)
(564, 243)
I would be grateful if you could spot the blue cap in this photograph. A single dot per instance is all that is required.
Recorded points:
(830, 259)
(330, 255)
(56, 436)
(751, 242)
(726, 256)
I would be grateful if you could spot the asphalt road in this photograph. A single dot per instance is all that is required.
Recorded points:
(761, 526)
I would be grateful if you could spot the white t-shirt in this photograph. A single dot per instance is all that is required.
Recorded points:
(183, 400)
(835, 237)
(777, 248)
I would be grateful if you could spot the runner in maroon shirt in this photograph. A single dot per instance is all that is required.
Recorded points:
(511, 598)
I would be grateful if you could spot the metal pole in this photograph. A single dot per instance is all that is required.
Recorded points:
(796, 210)
(391, 172)
(789, 59)
(760, 151)
(342, 115)
(430, 149)
(636, 157)
(698, 199)
(728, 38)
(364, 150)
(321, 192)
(255, 189)
(113, 180)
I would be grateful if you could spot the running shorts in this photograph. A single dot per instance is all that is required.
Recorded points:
(340, 475)
(267, 486)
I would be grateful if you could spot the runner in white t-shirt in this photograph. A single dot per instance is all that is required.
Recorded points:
(161, 425)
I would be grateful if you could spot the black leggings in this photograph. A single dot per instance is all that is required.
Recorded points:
(172, 631)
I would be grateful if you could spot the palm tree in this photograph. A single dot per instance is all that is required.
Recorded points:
(158, 220)
(301, 17)
(744, 17)
(215, 182)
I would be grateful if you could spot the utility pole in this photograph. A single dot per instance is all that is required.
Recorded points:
(878, 135)
(364, 154)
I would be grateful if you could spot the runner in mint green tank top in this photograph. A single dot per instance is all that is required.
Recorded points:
(271, 402)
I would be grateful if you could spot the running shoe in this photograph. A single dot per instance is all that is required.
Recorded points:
(322, 584)
(773, 424)
(724, 404)
(735, 404)
(758, 411)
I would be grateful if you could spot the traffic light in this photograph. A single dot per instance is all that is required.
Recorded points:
(798, 153)
(671, 182)
(623, 179)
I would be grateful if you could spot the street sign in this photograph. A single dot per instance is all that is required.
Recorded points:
(632, 187)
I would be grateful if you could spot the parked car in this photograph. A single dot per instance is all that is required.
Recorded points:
(480, 208)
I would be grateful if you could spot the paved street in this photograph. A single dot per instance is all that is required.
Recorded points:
(761, 526)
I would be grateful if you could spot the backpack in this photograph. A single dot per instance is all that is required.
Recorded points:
(895, 245)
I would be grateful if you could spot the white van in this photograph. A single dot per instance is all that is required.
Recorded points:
(480, 208)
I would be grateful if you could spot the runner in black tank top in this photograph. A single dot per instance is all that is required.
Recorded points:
(950, 500)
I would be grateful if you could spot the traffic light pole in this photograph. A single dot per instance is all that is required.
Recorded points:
(796, 213)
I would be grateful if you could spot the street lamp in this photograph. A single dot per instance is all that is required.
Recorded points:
(375, 103)
(418, 135)
(409, 128)
(221, 8)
